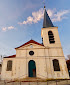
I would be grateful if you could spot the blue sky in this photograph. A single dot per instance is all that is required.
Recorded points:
(21, 20)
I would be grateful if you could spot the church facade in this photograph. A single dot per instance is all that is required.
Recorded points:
(32, 59)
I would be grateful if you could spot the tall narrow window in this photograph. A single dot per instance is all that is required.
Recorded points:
(9, 65)
(42, 41)
(56, 65)
(51, 37)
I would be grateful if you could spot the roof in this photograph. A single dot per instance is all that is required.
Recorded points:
(47, 21)
(31, 41)
(12, 56)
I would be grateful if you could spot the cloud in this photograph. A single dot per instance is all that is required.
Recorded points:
(60, 15)
(4, 28)
(11, 27)
(36, 16)
(53, 14)
(7, 28)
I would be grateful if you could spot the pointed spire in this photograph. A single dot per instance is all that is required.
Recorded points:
(47, 22)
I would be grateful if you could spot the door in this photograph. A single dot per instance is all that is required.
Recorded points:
(32, 68)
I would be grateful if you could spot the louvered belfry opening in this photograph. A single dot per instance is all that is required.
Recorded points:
(51, 37)
(9, 65)
(56, 65)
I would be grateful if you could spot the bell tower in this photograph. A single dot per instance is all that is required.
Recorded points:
(49, 33)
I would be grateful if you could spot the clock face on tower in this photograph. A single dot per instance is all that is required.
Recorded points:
(31, 53)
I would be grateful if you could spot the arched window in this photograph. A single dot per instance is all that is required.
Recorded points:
(9, 65)
(56, 65)
(51, 37)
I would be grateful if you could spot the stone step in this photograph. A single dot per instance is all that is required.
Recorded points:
(63, 82)
(28, 79)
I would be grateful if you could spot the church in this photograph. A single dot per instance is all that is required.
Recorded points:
(38, 60)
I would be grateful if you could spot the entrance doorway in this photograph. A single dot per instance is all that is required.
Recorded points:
(31, 68)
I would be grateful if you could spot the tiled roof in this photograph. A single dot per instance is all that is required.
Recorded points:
(12, 56)
(31, 41)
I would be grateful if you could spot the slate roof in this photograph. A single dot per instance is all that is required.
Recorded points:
(31, 41)
(47, 21)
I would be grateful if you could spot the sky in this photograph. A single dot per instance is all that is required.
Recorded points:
(22, 20)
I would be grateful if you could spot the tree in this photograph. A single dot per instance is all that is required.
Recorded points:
(68, 57)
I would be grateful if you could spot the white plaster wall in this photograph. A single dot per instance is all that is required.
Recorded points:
(24, 51)
(20, 53)
(42, 71)
(44, 35)
(63, 73)
(55, 52)
(48, 68)
(44, 66)
(18, 69)
(40, 52)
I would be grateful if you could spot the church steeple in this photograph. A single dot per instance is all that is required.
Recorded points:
(47, 22)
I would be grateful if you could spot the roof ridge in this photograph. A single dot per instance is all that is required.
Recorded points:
(30, 41)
